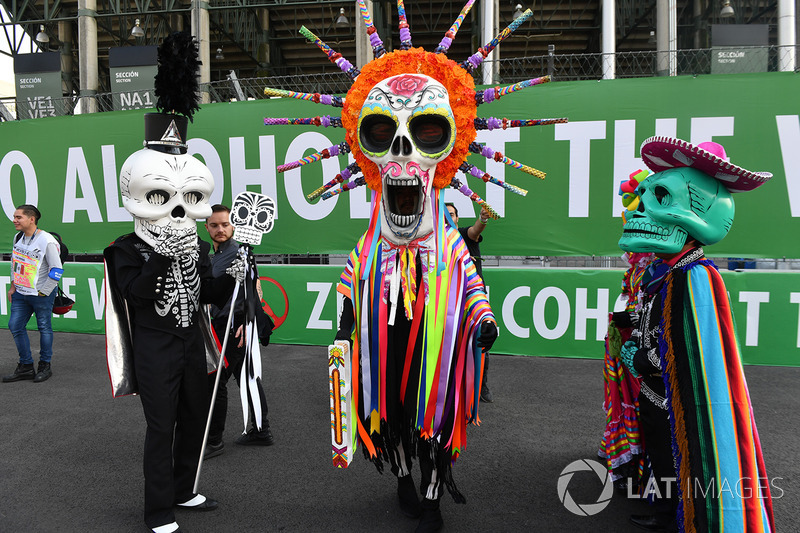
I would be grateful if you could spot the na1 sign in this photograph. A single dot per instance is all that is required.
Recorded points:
(132, 70)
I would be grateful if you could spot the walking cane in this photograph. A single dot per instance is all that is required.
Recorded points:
(252, 215)
(216, 381)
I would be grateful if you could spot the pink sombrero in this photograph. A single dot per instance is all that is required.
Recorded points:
(663, 153)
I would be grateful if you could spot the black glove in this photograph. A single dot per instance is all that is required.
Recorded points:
(487, 335)
(342, 335)
(642, 364)
(264, 326)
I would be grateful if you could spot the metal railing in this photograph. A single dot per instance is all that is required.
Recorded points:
(562, 67)
(645, 64)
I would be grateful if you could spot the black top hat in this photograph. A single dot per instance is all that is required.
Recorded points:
(166, 132)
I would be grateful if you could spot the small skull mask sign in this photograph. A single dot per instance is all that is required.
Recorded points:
(252, 215)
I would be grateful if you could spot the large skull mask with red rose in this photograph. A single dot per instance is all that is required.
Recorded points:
(406, 127)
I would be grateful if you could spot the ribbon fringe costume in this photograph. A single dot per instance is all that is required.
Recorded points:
(430, 387)
(415, 309)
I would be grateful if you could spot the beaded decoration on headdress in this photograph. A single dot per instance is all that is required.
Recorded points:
(464, 100)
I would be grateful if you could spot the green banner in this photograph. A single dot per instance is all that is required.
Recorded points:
(543, 312)
(69, 166)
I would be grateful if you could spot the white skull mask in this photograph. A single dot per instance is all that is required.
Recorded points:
(165, 193)
(252, 215)
(406, 127)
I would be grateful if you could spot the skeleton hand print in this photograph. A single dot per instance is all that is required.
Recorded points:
(237, 269)
(176, 243)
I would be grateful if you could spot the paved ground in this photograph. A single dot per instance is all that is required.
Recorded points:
(71, 455)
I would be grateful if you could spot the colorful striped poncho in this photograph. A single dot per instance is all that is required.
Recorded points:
(719, 465)
(439, 385)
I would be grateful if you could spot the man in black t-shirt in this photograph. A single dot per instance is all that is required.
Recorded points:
(472, 238)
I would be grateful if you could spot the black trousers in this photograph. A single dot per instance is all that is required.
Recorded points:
(658, 446)
(235, 357)
(402, 414)
(172, 378)
(400, 458)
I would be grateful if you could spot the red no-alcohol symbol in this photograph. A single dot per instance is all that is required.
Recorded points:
(278, 320)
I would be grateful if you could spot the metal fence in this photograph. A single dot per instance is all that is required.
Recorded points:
(574, 67)
(562, 67)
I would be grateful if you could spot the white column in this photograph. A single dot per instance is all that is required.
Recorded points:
(673, 37)
(488, 17)
(87, 55)
(496, 53)
(201, 32)
(787, 37)
(609, 38)
(666, 37)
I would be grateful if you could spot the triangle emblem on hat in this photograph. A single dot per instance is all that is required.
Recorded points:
(172, 135)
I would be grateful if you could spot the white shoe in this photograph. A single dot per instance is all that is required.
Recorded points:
(167, 528)
(198, 499)
(199, 503)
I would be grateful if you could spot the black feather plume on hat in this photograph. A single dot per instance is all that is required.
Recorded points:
(176, 86)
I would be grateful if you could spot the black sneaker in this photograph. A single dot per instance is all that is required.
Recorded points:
(213, 450)
(486, 394)
(256, 438)
(407, 495)
(43, 373)
(430, 520)
(22, 372)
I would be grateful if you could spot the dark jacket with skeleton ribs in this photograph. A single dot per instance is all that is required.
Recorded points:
(163, 293)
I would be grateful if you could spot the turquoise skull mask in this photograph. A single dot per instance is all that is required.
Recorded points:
(676, 204)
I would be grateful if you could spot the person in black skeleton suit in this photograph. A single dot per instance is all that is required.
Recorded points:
(163, 272)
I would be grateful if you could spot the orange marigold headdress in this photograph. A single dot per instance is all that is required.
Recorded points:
(464, 101)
